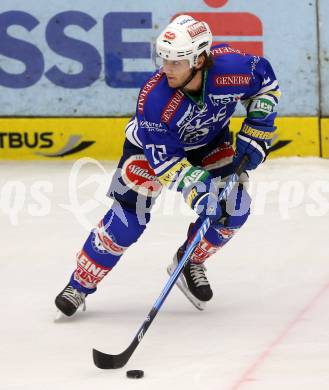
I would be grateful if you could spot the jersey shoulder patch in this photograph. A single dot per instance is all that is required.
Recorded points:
(172, 106)
(157, 101)
(224, 50)
(146, 90)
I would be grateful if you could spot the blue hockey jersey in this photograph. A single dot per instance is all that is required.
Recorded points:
(169, 122)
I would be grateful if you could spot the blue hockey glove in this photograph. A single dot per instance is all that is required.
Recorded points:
(201, 194)
(255, 142)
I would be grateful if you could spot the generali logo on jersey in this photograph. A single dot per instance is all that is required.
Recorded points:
(172, 106)
(146, 90)
(232, 80)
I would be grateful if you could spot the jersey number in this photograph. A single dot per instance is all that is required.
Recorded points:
(158, 152)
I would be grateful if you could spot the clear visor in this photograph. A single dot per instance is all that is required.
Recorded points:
(159, 61)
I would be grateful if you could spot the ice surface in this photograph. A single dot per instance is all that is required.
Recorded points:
(266, 328)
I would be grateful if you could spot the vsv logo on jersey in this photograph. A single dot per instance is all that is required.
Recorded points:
(191, 128)
(194, 127)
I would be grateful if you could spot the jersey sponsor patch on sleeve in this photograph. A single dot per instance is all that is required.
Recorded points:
(174, 173)
(193, 175)
(172, 106)
(152, 127)
(145, 91)
(261, 107)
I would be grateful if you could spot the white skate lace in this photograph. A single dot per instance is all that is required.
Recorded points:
(76, 297)
(198, 274)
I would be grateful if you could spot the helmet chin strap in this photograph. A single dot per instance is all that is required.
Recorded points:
(189, 79)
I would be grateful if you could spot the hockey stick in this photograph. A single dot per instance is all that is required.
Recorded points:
(106, 361)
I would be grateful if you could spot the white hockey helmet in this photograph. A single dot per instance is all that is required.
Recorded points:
(184, 39)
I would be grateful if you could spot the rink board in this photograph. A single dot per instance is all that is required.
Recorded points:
(102, 138)
(325, 137)
(76, 58)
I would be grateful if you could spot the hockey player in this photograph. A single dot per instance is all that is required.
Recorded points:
(179, 138)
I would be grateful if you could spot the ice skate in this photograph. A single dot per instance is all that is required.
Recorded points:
(69, 300)
(192, 281)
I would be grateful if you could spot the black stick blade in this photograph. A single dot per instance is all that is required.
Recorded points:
(105, 361)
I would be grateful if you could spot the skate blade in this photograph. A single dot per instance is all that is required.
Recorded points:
(59, 316)
(181, 284)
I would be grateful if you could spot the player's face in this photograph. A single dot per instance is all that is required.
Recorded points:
(176, 71)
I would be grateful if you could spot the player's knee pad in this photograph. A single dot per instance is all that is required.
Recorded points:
(214, 239)
(119, 229)
(105, 245)
(237, 207)
(236, 213)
